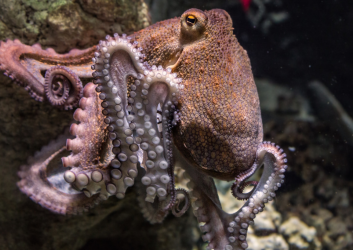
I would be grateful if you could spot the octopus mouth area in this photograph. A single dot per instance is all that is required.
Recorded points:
(55, 175)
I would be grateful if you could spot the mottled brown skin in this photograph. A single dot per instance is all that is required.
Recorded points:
(220, 126)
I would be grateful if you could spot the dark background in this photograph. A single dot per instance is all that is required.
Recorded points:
(314, 42)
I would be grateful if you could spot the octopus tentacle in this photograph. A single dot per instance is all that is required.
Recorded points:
(62, 87)
(47, 187)
(131, 93)
(186, 206)
(228, 231)
(169, 121)
(159, 163)
(207, 209)
(91, 149)
(274, 161)
(237, 189)
(205, 203)
(239, 184)
(113, 69)
(24, 64)
(246, 174)
(153, 212)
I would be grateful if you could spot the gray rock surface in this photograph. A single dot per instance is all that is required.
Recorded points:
(66, 24)
(299, 235)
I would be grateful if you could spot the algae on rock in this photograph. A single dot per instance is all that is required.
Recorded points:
(68, 24)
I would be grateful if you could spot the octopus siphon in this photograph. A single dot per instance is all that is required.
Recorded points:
(179, 93)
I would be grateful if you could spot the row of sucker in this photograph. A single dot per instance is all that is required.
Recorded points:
(36, 182)
(264, 192)
(207, 215)
(152, 212)
(113, 92)
(131, 111)
(90, 150)
(169, 119)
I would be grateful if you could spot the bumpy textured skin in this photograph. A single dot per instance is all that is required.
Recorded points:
(47, 188)
(221, 123)
(192, 75)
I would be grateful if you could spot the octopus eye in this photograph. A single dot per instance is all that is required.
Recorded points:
(191, 20)
(193, 24)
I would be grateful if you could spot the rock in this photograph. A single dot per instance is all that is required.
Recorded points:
(340, 199)
(66, 24)
(269, 242)
(267, 221)
(342, 242)
(299, 235)
(319, 219)
(330, 110)
(282, 102)
(336, 227)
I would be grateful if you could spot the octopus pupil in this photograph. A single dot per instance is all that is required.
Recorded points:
(190, 20)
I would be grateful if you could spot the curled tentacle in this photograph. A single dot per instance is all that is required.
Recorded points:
(237, 189)
(62, 87)
(42, 180)
(24, 64)
(274, 161)
(131, 93)
(228, 231)
(57, 90)
(185, 196)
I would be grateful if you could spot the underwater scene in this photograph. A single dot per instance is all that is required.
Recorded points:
(176, 125)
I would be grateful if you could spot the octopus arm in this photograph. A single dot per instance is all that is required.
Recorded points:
(42, 180)
(116, 126)
(25, 65)
(229, 231)
(131, 92)
(151, 211)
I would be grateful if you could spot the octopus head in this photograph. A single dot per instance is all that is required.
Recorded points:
(220, 124)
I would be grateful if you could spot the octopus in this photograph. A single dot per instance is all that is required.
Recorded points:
(179, 93)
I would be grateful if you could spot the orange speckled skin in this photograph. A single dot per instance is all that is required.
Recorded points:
(221, 126)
